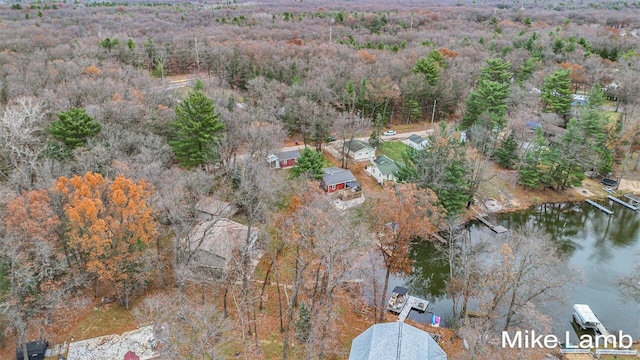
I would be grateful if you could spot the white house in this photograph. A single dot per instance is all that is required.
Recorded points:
(359, 150)
(395, 340)
(383, 169)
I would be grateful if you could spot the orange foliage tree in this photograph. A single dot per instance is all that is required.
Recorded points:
(401, 214)
(109, 227)
(578, 75)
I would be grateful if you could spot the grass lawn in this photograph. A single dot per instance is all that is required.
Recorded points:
(105, 320)
(393, 149)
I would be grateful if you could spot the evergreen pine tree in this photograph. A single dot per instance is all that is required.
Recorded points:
(529, 174)
(596, 97)
(309, 164)
(428, 67)
(74, 127)
(490, 95)
(453, 192)
(526, 70)
(303, 324)
(195, 130)
(556, 92)
(530, 171)
(441, 166)
(506, 153)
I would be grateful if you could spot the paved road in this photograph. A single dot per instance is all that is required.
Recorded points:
(396, 137)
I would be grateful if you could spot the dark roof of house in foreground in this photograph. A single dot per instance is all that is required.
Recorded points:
(395, 341)
(335, 175)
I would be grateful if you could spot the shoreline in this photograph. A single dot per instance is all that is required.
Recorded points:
(516, 198)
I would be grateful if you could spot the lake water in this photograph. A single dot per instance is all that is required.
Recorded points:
(604, 246)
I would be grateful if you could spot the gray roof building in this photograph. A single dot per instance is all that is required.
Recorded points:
(212, 244)
(335, 175)
(356, 145)
(359, 150)
(290, 154)
(395, 341)
(417, 142)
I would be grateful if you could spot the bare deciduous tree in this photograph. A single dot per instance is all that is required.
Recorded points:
(182, 326)
(520, 277)
(21, 130)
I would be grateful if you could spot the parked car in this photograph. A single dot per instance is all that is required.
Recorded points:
(389, 133)
(329, 139)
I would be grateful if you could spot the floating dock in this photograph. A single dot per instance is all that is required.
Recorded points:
(496, 228)
(413, 303)
(615, 199)
(600, 207)
(633, 199)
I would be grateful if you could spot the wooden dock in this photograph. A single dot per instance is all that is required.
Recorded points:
(413, 303)
(600, 207)
(615, 199)
(496, 228)
(439, 238)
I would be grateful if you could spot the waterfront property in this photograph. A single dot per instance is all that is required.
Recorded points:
(395, 341)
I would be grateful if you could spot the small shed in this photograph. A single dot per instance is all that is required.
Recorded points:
(284, 159)
(335, 179)
(359, 150)
(417, 142)
(35, 350)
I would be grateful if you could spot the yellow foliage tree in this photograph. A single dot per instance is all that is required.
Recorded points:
(109, 227)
